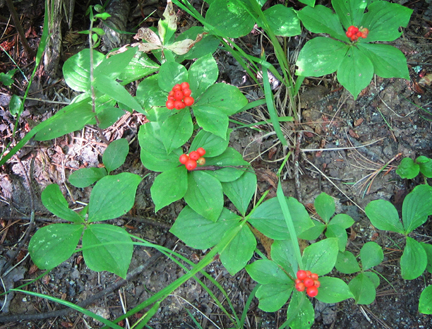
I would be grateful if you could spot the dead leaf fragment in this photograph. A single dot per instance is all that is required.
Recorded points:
(358, 122)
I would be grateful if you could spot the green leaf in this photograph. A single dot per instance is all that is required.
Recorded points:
(313, 232)
(346, 263)
(153, 154)
(139, 67)
(337, 231)
(108, 116)
(115, 65)
(269, 219)
(321, 19)
(113, 196)
(211, 120)
(305, 317)
(363, 289)
(86, 176)
(283, 253)
(115, 154)
(105, 85)
(320, 56)
(204, 195)
(214, 145)
(70, 118)
(15, 105)
(283, 21)
(170, 74)
(383, 20)
(324, 206)
(229, 159)
(355, 72)
(54, 201)
(176, 130)
(241, 191)
(408, 169)
(107, 248)
(321, 256)
(425, 166)
(416, 207)
(384, 216)
(350, 12)
(273, 296)
(169, 187)
(266, 272)
(428, 248)
(414, 260)
(207, 45)
(76, 70)
(53, 244)
(425, 301)
(240, 250)
(342, 220)
(235, 21)
(202, 74)
(149, 94)
(371, 255)
(388, 61)
(374, 278)
(201, 233)
(333, 290)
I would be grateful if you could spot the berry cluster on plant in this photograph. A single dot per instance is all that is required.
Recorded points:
(354, 33)
(179, 97)
(309, 281)
(193, 159)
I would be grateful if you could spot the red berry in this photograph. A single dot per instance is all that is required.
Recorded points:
(194, 155)
(312, 291)
(308, 282)
(308, 274)
(314, 276)
(201, 161)
(297, 281)
(301, 275)
(300, 287)
(178, 95)
(176, 87)
(317, 283)
(184, 85)
(187, 92)
(179, 105)
(169, 104)
(171, 93)
(171, 98)
(190, 164)
(183, 158)
(201, 151)
(188, 101)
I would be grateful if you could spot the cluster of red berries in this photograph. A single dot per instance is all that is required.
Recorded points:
(179, 97)
(354, 33)
(309, 281)
(193, 159)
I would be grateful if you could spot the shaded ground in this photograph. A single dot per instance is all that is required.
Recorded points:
(384, 119)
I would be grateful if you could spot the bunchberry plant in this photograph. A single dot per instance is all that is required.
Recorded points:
(409, 169)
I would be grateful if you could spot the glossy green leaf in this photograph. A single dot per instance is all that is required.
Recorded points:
(337, 231)
(363, 289)
(428, 249)
(373, 277)
(265, 272)
(241, 191)
(384, 216)
(425, 166)
(15, 105)
(240, 250)
(283, 253)
(283, 21)
(139, 67)
(51, 245)
(350, 12)
(169, 186)
(201, 233)
(408, 168)
(176, 130)
(213, 145)
(314, 232)
(86, 176)
(204, 195)
(416, 208)
(108, 116)
(76, 70)
(321, 256)
(211, 120)
(371, 255)
(115, 65)
(70, 118)
(55, 202)
(202, 74)
(171, 73)
(320, 56)
(149, 94)
(355, 71)
(207, 45)
(233, 165)
(324, 206)
(305, 316)
(425, 302)
(343, 220)
(346, 263)
(113, 196)
(384, 19)
(333, 290)
(115, 154)
(107, 248)
(273, 296)
(413, 261)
